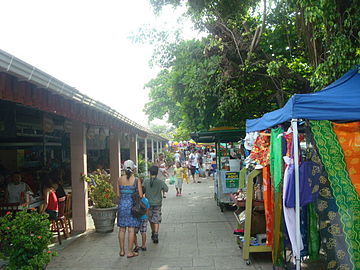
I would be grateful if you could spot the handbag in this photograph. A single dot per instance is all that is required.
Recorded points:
(172, 180)
(138, 209)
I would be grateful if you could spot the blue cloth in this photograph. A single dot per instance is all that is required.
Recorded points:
(124, 217)
(308, 178)
(342, 97)
(147, 205)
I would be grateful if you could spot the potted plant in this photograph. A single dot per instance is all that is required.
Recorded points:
(24, 240)
(102, 195)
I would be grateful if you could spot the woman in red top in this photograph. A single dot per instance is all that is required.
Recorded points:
(50, 205)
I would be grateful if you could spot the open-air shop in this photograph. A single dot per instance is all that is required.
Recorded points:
(228, 161)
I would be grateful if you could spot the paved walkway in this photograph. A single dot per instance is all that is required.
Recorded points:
(194, 235)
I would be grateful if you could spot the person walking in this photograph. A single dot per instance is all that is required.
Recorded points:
(193, 162)
(143, 227)
(163, 173)
(127, 185)
(178, 173)
(153, 192)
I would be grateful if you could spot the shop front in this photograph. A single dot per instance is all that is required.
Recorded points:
(46, 125)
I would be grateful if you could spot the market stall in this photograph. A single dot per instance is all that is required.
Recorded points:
(228, 161)
(337, 148)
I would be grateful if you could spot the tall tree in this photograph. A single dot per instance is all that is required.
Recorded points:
(254, 58)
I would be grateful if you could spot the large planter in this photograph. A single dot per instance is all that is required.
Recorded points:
(104, 218)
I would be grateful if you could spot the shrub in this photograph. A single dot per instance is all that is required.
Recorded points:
(101, 191)
(24, 239)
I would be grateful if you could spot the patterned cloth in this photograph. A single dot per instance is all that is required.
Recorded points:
(124, 217)
(346, 197)
(155, 214)
(332, 240)
(348, 135)
(260, 150)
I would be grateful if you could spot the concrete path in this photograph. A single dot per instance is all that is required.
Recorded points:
(194, 235)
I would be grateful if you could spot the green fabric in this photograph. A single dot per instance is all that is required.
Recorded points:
(313, 233)
(276, 171)
(277, 247)
(153, 188)
(346, 198)
(276, 160)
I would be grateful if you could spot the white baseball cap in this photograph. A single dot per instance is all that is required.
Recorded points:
(129, 164)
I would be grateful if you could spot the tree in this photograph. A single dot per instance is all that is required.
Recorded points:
(255, 56)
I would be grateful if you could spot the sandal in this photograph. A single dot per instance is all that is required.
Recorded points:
(136, 249)
(121, 254)
(134, 255)
(143, 248)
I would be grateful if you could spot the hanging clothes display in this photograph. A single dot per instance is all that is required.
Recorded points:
(289, 213)
(261, 149)
(276, 170)
(346, 197)
(268, 205)
(313, 234)
(348, 135)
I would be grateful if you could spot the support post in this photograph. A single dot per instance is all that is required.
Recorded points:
(78, 167)
(115, 158)
(157, 147)
(146, 156)
(152, 151)
(294, 123)
(133, 149)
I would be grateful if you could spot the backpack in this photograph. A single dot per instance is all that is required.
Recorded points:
(138, 209)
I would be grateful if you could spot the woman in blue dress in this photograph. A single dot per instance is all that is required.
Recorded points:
(125, 220)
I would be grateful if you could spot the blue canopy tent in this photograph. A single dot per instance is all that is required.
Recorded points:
(338, 101)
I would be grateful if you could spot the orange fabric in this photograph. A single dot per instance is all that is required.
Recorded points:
(268, 206)
(348, 135)
(261, 150)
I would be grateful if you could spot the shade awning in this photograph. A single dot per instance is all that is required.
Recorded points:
(221, 136)
(338, 101)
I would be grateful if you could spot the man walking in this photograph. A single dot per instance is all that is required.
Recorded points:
(154, 188)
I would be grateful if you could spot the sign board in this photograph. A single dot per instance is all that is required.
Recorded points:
(232, 179)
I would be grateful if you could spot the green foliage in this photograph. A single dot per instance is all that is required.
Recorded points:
(252, 60)
(24, 240)
(181, 134)
(141, 166)
(331, 30)
(101, 190)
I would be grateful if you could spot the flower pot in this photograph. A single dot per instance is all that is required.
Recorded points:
(104, 218)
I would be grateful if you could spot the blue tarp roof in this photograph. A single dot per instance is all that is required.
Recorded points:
(338, 101)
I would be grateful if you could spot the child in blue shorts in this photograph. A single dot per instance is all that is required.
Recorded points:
(142, 228)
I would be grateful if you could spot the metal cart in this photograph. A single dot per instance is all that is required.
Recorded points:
(227, 177)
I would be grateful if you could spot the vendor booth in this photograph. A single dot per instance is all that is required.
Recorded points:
(315, 178)
(228, 161)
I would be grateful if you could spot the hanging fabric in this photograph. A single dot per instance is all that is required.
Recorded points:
(333, 244)
(276, 170)
(313, 234)
(289, 213)
(348, 135)
(268, 205)
(260, 151)
(346, 197)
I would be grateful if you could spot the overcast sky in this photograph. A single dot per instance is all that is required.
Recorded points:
(85, 44)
